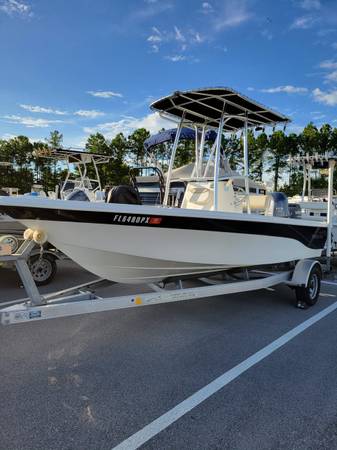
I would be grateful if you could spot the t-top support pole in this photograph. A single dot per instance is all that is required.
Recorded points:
(217, 162)
(305, 172)
(173, 155)
(332, 163)
(202, 146)
(246, 162)
(196, 143)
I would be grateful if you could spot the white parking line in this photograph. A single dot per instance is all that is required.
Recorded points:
(333, 283)
(162, 422)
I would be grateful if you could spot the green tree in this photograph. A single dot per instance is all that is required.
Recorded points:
(324, 138)
(233, 147)
(136, 145)
(97, 143)
(116, 171)
(257, 147)
(18, 150)
(309, 139)
(277, 155)
(55, 139)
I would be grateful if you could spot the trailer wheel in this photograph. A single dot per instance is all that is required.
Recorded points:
(42, 268)
(309, 294)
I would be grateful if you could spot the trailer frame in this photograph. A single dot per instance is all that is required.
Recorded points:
(82, 299)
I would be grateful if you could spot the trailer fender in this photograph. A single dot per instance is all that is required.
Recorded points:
(303, 268)
(54, 255)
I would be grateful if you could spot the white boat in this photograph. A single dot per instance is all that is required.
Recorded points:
(7, 224)
(213, 230)
(312, 204)
(77, 183)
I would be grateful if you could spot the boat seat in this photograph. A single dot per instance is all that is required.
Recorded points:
(257, 203)
(200, 195)
(272, 204)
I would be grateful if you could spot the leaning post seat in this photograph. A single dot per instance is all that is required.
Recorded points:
(257, 203)
(200, 195)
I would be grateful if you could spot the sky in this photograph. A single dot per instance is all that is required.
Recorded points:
(85, 66)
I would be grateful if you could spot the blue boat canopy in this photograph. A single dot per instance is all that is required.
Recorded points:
(169, 136)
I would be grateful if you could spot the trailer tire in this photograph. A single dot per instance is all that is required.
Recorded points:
(309, 294)
(43, 269)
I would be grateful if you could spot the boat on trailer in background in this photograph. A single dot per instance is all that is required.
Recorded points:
(77, 185)
(313, 204)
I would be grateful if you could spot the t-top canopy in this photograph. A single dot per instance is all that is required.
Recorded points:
(71, 155)
(206, 106)
(315, 161)
(169, 136)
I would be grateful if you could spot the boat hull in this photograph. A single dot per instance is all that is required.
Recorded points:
(135, 244)
(10, 226)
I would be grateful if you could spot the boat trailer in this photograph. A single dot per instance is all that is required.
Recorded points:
(305, 278)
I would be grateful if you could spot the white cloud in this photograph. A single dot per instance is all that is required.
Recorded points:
(234, 13)
(92, 113)
(152, 9)
(15, 7)
(288, 89)
(178, 35)
(332, 76)
(154, 48)
(82, 112)
(8, 136)
(304, 22)
(328, 98)
(41, 109)
(176, 58)
(184, 39)
(153, 122)
(30, 122)
(328, 64)
(310, 4)
(154, 38)
(207, 8)
(104, 94)
(198, 38)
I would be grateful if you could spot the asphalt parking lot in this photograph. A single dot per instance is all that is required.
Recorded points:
(94, 381)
